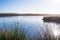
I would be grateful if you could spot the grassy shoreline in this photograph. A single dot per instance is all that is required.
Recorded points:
(52, 19)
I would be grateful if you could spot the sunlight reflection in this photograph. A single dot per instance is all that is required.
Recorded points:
(56, 33)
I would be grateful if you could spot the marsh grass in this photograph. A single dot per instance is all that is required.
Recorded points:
(20, 33)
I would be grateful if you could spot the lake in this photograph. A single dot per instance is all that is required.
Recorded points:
(35, 26)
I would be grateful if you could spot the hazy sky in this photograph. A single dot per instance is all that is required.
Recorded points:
(30, 6)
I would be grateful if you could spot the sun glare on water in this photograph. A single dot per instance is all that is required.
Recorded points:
(56, 33)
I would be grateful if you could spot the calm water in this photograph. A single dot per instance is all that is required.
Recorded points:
(34, 24)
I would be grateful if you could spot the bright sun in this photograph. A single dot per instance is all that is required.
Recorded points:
(55, 1)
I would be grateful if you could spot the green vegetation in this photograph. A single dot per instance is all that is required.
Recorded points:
(20, 33)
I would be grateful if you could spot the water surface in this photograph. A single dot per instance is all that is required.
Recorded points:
(34, 24)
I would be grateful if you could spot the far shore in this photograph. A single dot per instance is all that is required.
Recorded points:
(29, 14)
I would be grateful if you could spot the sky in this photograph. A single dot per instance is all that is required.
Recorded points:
(30, 6)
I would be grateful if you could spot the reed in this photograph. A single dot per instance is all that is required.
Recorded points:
(20, 33)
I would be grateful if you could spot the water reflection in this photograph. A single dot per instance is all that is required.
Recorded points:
(21, 28)
(54, 29)
(28, 28)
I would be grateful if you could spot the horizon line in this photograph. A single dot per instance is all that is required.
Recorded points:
(28, 14)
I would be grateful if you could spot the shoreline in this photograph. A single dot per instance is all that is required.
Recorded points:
(29, 14)
(51, 19)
